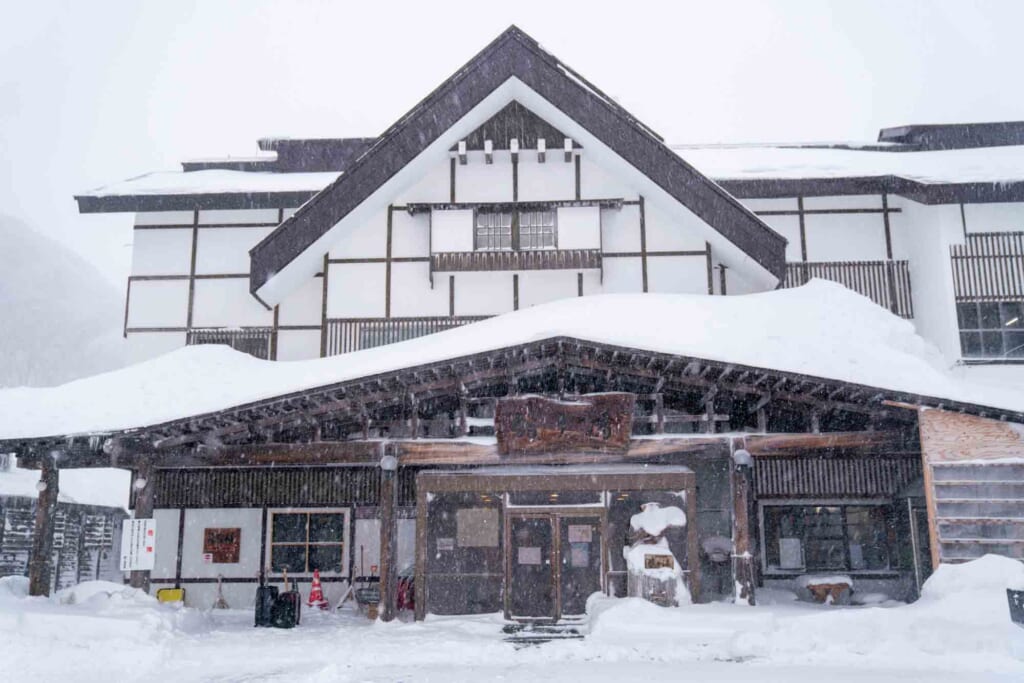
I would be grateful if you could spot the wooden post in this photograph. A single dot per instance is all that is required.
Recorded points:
(742, 554)
(388, 545)
(40, 563)
(143, 485)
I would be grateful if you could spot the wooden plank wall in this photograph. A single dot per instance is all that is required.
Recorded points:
(974, 483)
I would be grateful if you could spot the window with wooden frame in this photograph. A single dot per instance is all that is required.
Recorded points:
(303, 540)
(826, 537)
(991, 329)
(538, 229)
(492, 231)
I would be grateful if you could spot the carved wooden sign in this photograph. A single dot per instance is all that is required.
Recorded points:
(532, 425)
(222, 545)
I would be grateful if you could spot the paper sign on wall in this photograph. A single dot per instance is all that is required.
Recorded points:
(580, 533)
(529, 555)
(138, 545)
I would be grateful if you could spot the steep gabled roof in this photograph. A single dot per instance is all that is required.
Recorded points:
(515, 55)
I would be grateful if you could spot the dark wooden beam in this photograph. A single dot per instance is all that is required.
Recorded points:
(40, 564)
(144, 485)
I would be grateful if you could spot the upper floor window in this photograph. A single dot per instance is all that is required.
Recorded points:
(493, 231)
(504, 231)
(993, 330)
(537, 230)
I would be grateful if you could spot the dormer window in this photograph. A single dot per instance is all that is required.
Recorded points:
(508, 231)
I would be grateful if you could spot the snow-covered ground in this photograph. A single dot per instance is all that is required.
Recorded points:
(959, 631)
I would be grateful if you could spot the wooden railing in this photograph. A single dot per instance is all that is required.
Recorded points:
(989, 266)
(354, 334)
(887, 283)
(526, 259)
(255, 341)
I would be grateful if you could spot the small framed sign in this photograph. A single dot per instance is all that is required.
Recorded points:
(445, 544)
(222, 545)
(659, 562)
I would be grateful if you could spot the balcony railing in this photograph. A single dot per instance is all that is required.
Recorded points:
(887, 283)
(527, 259)
(256, 341)
(354, 334)
(989, 266)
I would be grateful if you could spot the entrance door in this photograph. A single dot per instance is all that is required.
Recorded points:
(532, 574)
(580, 567)
(554, 564)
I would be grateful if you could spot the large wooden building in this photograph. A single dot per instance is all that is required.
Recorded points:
(500, 464)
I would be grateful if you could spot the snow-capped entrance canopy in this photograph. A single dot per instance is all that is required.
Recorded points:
(820, 330)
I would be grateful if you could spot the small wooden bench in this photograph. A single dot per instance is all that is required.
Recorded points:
(828, 593)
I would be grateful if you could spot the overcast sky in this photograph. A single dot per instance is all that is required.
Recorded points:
(95, 92)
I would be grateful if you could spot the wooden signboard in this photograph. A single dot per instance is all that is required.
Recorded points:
(659, 562)
(528, 425)
(222, 545)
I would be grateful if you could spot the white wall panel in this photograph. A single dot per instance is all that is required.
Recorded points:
(433, 186)
(140, 346)
(366, 548)
(298, 344)
(622, 274)
(667, 234)
(452, 230)
(677, 274)
(857, 201)
(162, 252)
(770, 204)
(405, 556)
(222, 216)
(788, 227)
(1003, 217)
(621, 229)
(226, 250)
(356, 290)
(579, 227)
(596, 183)
(542, 286)
(166, 546)
(364, 240)
(304, 305)
(845, 237)
(164, 218)
(477, 181)
(552, 180)
(592, 282)
(483, 293)
(249, 520)
(410, 235)
(227, 303)
(158, 303)
(411, 295)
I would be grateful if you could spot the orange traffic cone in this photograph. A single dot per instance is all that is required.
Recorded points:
(316, 592)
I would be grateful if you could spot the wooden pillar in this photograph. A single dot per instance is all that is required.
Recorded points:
(388, 535)
(143, 486)
(742, 554)
(40, 563)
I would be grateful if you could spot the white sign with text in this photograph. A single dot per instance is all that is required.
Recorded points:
(138, 545)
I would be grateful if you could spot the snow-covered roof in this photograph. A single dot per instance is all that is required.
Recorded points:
(745, 162)
(821, 329)
(215, 181)
(101, 486)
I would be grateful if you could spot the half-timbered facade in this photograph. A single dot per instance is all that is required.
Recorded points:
(499, 465)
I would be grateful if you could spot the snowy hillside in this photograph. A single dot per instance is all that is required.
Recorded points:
(61, 319)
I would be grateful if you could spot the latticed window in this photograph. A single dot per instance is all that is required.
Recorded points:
(493, 231)
(991, 329)
(537, 230)
(826, 537)
(303, 541)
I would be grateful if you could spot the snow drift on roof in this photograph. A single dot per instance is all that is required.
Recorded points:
(743, 162)
(821, 329)
(215, 182)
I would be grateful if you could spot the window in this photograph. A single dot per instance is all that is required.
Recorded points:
(991, 329)
(826, 538)
(303, 541)
(493, 231)
(534, 230)
(537, 230)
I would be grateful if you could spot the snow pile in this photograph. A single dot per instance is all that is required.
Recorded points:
(94, 486)
(819, 580)
(13, 587)
(654, 519)
(821, 329)
(101, 594)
